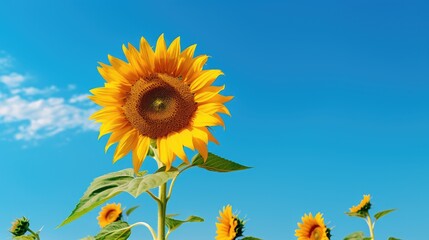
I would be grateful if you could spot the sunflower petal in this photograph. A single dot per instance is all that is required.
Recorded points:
(127, 142)
(147, 55)
(160, 55)
(206, 78)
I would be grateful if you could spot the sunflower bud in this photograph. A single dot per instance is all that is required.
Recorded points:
(20, 226)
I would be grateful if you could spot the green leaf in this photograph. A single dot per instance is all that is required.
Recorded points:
(140, 185)
(392, 238)
(115, 231)
(367, 238)
(108, 186)
(162, 169)
(216, 164)
(99, 191)
(173, 224)
(24, 237)
(383, 213)
(88, 238)
(355, 236)
(356, 215)
(129, 211)
(251, 238)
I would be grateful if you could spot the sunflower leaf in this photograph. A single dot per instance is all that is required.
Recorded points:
(118, 230)
(383, 213)
(355, 236)
(108, 186)
(24, 237)
(216, 164)
(140, 185)
(251, 238)
(99, 191)
(361, 215)
(88, 238)
(129, 211)
(173, 224)
(392, 238)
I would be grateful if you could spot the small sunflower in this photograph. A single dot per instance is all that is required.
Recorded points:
(229, 227)
(363, 206)
(20, 226)
(161, 97)
(312, 228)
(109, 213)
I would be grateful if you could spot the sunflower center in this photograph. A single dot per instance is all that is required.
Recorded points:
(111, 215)
(316, 233)
(159, 104)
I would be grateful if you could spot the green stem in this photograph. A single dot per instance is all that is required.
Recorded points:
(34, 234)
(371, 226)
(162, 208)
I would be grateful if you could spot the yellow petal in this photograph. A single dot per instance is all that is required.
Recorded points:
(147, 55)
(211, 108)
(143, 146)
(160, 55)
(124, 69)
(201, 147)
(196, 68)
(186, 138)
(206, 78)
(134, 58)
(207, 93)
(173, 141)
(203, 119)
(200, 134)
(173, 53)
(116, 136)
(165, 154)
(127, 142)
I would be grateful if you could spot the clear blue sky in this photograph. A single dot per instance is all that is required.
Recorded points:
(331, 102)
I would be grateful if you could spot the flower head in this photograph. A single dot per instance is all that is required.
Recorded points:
(109, 213)
(162, 96)
(363, 206)
(20, 226)
(229, 227)
(312, 228)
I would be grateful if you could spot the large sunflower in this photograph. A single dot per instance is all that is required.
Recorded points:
(162, 98)
(363, 206)
(109, 213)
(229, 227)
(312, 228)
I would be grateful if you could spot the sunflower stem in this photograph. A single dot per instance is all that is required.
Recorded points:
(371, 226)
(162, 207)
(34, 234)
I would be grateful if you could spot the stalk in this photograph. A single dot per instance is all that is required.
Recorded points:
(371, 227)
(162, 207)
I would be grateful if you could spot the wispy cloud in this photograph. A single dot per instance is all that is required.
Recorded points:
(43, 117)
(79, 98)
(31, 113)
(12, 79)
(5, 61)
(35, 91)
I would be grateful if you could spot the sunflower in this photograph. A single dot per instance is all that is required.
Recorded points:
(20, 226)
(109, 213)
(312, 228)
(363, 206)
(229, 227)
(160, 98)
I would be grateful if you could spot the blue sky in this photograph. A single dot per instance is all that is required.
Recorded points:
(331, 102)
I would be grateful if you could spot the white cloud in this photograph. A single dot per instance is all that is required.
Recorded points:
(71, 87)
(35, 91)
(79, 98)
(12, 79)
(5, 61)
(43, 117)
